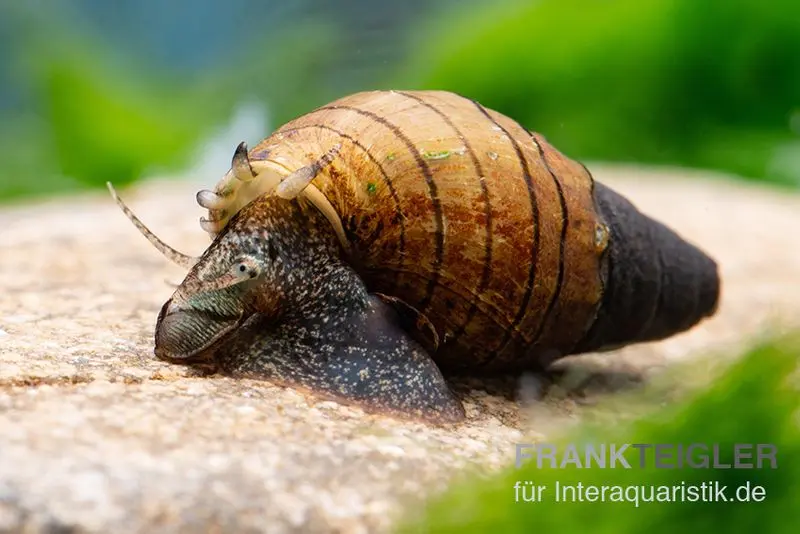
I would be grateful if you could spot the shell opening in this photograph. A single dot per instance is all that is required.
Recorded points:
(244, 183)
(170, 253)
(324, 205)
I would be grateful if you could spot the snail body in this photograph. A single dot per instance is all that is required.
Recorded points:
(367, 245)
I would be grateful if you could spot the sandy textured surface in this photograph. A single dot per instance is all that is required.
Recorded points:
(96, 434)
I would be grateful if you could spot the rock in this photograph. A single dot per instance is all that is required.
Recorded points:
(98, 436)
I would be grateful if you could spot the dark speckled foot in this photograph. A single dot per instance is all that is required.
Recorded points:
(361, 356)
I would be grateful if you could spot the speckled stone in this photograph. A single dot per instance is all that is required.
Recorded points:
(97, 435)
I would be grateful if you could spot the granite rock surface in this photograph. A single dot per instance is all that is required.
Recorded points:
(98, 436)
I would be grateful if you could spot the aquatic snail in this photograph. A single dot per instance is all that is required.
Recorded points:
(366, 248)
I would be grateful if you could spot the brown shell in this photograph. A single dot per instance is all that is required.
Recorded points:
(461, 213)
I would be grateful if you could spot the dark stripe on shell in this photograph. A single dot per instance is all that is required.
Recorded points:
(604, 287)
(486, 274)
(433, 190)
(512, 328)
(561, 246)
(386, 179)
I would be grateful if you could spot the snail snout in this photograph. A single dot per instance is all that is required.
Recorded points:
(185, 335)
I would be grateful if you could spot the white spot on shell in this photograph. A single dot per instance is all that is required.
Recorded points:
(600, 237)
(493, 155)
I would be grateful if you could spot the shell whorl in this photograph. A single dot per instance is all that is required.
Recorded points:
(468, 217)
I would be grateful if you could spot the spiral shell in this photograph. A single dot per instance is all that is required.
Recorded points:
(464, 242)
(476, 223)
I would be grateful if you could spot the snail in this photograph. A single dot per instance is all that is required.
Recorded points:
(370, 247)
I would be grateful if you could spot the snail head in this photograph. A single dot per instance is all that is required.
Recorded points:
(219, 291)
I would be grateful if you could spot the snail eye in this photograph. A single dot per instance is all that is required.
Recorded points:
(246, 268)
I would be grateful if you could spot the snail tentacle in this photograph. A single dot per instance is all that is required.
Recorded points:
(211, 226)
(240, 164)
(179, 258)
(211, 200)
(298, 181)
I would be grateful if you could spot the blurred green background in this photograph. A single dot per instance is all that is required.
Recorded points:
(753, 401)
(95, 90)
(92, 90)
